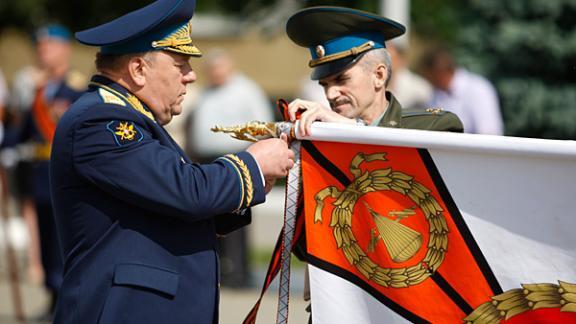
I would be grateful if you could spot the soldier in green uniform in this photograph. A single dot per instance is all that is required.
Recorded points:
(351, 63)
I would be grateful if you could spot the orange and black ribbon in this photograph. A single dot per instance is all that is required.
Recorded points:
(41, 113)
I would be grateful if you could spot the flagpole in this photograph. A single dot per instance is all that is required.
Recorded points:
(480, 143)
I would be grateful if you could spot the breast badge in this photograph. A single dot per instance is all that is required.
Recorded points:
(124, 132)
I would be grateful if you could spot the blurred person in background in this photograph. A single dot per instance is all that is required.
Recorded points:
(310, 90)
(38, 132)
(230, 98)
(41, 95)
(53, 48)
(412, 90)
(3, 100)
(472, 97)
(178, 127)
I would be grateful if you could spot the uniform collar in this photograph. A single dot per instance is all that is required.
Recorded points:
(392, 117)
(100, 81)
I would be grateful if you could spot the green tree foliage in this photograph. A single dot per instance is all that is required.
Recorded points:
(81, 14)
(437, 19)
(526, 48)
(30, 14)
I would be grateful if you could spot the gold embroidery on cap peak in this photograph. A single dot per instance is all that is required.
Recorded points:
(179, 41)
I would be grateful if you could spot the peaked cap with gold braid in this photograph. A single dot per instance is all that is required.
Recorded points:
(162, 25)
(337, 37)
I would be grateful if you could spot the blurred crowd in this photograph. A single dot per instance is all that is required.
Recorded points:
(39, 94)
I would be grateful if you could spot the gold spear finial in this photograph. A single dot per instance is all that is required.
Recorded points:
(256, 130)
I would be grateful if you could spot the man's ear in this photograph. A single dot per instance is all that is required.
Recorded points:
(137, 69)
(380, 76)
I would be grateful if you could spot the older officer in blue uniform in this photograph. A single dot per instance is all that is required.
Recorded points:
(137, 219)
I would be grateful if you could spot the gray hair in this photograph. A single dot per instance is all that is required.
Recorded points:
(378, 56)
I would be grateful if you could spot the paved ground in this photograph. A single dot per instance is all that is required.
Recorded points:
(234, 304)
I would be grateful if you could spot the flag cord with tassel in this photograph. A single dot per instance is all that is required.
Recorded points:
(290, 213)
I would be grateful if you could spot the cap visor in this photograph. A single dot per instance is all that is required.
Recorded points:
(334, 67)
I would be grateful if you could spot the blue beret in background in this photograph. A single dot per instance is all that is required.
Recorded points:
(53, 31)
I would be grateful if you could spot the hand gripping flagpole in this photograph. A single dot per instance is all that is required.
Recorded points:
(252, 132)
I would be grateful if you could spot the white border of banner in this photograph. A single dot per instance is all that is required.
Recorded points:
(493, 144)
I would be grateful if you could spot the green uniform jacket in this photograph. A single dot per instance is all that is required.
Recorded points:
(424, 119)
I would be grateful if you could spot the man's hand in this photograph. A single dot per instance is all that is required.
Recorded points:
(313, 111)
(273, 156)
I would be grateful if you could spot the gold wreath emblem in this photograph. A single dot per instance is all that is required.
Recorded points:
(531, 297)
(384, 180)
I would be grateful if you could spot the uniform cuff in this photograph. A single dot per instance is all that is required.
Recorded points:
(250, 178)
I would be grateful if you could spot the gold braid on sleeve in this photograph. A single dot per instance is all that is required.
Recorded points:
(246, 178)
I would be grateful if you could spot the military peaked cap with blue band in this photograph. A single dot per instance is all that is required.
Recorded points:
(54, 31)
(337, 37)
(162, 25)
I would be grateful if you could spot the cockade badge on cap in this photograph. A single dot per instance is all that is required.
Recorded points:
(320, 51)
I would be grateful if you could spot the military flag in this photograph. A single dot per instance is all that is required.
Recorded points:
(406, 225)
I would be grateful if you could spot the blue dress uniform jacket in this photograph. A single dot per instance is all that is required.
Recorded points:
(136, 218)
